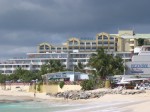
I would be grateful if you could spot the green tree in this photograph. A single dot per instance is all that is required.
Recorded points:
(24, 75)
(52, 66)
(2, 78)
(88, 85)
(105, 64)
(79, 67)
(61, 84)
(140, 41)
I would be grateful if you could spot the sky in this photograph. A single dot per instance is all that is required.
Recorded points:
(26, 23)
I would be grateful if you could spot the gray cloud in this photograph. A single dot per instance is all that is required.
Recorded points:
(26, 23)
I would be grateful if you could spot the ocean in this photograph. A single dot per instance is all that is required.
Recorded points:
(40, 106)
(32, 106)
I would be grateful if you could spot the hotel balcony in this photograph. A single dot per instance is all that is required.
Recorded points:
(2, 68)
(100, 44)
(132, 44)
(131, 39)
(105, 44)
(111, 45)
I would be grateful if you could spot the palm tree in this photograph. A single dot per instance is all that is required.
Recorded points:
(52, 66)
(105, 64)
(79, 67)
(140, 41)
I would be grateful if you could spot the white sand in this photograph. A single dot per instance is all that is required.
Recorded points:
(128, 103)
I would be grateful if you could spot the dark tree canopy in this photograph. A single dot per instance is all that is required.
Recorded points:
(106, 64)
(140, 42)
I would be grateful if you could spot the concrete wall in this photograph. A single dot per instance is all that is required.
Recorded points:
(15, 87)
(43, 88)
(55, 88)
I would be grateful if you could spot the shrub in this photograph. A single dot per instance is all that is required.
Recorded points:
(39, 87)
(87, 85)
(61, 84)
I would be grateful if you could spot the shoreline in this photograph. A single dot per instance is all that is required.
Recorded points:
(128, 103)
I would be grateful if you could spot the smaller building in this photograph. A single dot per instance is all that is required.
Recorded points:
(67, 76)
(140, 64)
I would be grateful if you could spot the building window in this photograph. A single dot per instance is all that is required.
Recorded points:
(53, 48)
(71, 43)
(8, 66)
(82, 43)
(111, 47)
(111, 43)
(105, 42)
(46, 47)
(111, 38)
(76, 48)
(64, 48)
(88, 43)
(75, 43)
(70, 48)
(105, 38)
(88, 48)
(81, 47)
(93, 43)
(99, 37)
(8, 71)
(74, 60)
(93, 48)
(99, 42)
(41, 47)
(58, 48)
(1, 66)
(1, 71)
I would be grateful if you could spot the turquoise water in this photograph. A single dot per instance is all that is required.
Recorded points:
(32, 106)
(47, 106)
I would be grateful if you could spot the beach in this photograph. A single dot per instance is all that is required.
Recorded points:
(108, 102)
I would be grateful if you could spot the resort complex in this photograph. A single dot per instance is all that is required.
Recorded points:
(70, 85)
(76, 50)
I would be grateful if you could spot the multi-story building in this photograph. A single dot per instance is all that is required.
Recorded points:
(76, 50)
(104, 40)
(34, 61)
(128, 40)
(124, 41)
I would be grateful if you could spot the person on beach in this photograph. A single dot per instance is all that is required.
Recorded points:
(34, 95)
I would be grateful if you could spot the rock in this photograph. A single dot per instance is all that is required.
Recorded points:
(83, 96)
(75, 95)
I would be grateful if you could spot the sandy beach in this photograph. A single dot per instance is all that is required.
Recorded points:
(122, 103)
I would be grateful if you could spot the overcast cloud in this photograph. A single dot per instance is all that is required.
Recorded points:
(26, 23)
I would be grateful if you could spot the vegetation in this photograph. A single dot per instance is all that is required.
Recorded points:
(52, 66)
(39, 86)
(103, 65)
(140, 42)
(2, 78)
(61, 84)
(88, 85)
(79, 67)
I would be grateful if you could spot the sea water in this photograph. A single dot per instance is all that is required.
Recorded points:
(31, 106)
(38, 106)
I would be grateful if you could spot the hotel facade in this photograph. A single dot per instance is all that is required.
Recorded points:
(76, 50)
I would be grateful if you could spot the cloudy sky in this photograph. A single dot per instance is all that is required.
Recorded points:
(26, 23)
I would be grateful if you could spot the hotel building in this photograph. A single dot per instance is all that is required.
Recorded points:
(76, 50)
